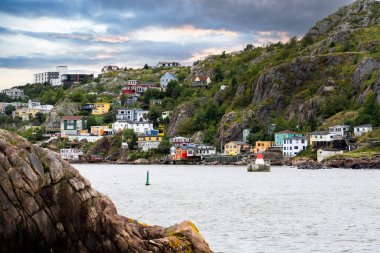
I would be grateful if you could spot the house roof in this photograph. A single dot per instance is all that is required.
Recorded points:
(296, 138)
(320, 133)
(340, 126)
(286, 132)
(367, 125)
(170, 74)
(202, 78)
(238, 142)
(72, 117)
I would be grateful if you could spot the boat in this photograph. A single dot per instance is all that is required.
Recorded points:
(259, 165)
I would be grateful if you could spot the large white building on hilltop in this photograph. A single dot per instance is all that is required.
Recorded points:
(60, 76)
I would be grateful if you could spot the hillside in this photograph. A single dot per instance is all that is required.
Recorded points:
(299, 85)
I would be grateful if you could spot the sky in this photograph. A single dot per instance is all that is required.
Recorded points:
(38, 35)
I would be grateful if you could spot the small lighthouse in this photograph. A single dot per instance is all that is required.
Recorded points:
(260, 165)
(259, 159)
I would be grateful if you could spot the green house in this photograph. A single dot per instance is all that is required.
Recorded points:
(73, 125)
(281, 136)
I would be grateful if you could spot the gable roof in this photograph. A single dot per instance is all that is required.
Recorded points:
(238, 142)
(72, 117)
(169, 74)
(202, 78)
(367, 125)
(286, 132)
(320, 133)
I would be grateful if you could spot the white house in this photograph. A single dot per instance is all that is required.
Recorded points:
(293, 145)
(109, 68)
(166, 78)
(167, 64)
(166, 114)
(137, 126)
(205, 150)
(132, 115)
(133, 82)
(359, 130)
(14, 93)
(339, 131)
(321, 138)
(71, 154)
(179, 141)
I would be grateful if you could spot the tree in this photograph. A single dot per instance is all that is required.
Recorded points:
(146, 66)
(370, 112)
(218, 73)
(9, 110)
(5, 98)
(164, 146)
(109, 118)
(307, 40)
(40, 117)
(130, 137)
(92, 121)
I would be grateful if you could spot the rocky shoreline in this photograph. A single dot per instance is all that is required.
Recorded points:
(47, 206)
(338, 162)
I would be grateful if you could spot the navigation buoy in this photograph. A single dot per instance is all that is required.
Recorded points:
(147, 178)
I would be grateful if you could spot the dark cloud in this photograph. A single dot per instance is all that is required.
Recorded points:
(295, 16)
(125, 17)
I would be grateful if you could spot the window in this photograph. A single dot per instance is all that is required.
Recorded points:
(295, 147)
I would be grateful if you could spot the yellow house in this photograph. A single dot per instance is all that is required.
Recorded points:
(235, 147)
(24, 113)
(101, 108)
(262, 146)
(151, 140)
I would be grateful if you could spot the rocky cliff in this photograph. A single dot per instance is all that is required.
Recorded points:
(47, 206)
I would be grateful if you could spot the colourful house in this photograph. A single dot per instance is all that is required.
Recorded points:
(151, 140)
(262, 146)
(101, 108)
(281, 136)
(201, 80)
(73, 125)
(166, 78)
(236, 147)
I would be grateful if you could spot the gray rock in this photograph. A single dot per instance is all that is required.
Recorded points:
(65, 214)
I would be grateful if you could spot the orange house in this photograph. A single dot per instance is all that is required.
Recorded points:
(262, 146)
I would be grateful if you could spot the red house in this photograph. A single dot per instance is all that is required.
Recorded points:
(137, 88)
(181, 154)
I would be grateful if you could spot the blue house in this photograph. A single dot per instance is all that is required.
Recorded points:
(166, 78)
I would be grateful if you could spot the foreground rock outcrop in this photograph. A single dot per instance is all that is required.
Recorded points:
(354, 162)
(46, 206)
(338, 162)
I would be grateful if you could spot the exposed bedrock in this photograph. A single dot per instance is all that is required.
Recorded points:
(47, 206)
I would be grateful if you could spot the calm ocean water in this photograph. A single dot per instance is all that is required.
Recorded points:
(286, 210)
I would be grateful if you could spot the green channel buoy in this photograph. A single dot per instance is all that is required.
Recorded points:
(147, 178)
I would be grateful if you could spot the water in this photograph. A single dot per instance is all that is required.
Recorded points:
(286, 210)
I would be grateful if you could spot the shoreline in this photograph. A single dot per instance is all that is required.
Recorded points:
(304, 164)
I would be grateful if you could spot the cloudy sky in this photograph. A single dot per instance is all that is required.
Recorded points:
(37, 35)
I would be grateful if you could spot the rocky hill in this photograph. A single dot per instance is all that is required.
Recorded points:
(298, 85)
(332, 69)
(47, 206)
